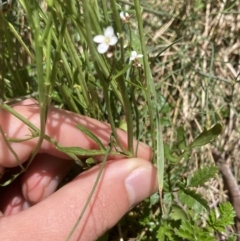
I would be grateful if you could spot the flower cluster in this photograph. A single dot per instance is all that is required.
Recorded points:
(107, 41)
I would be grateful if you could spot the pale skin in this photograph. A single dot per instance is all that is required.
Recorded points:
(32, 209)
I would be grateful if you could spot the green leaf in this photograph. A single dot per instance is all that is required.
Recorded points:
(186, 231)
(123, 125)
(9, 181)
(206, 136)
(73, 156)
(136, 44)
(181, 138)
(225, 218)
(80, 151)
(92, 136)
(177, 213)
(168, 198)
(186, 155)
(232, 238)
(203, 175)
(121, 72)
(154, 198)
(165, 230)
(91, 161)
(191, 232)
(168, 154)
(192, 200)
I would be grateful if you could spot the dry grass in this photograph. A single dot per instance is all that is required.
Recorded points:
(200, 77)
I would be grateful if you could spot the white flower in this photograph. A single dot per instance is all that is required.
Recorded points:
(124, 16)
(106, 40)
(135, 56)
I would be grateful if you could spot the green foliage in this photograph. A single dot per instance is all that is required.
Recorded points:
(206, 136)
(225, 217)
(192, 200)
(183, 150)
(202, 175)
(181, 140)
(193, 232)
(177, 213)
(165, 231)
(188, 228)
(187, 215)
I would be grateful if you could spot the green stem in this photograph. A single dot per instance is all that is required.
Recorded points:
(11, 149)
(121, 81)
(156, 130)
(100, 66)
(91, 193)
(33, 14)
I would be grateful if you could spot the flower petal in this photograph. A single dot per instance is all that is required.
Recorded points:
(102, 48)
(133, 55)
(113, 40)
(108, 32)
(99, 39)
(122, 16)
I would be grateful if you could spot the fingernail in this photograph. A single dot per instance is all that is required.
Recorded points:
(25, 205)
(17, 205)
(39, 187)
(140, 184)
(50, 185)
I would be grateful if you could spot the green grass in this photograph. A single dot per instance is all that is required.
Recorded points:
(188, 81)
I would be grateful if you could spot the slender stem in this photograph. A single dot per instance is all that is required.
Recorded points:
(11, 149)
(91, 193)
(33, 14)
(121, 81)
(100, 66)
(156, 130)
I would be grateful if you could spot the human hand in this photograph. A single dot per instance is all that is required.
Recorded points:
(32, 210)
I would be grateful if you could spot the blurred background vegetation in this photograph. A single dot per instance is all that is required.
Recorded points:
(197, 81)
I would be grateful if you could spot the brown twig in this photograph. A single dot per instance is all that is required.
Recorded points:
(232, 187)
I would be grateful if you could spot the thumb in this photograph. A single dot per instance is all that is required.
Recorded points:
(122, 185)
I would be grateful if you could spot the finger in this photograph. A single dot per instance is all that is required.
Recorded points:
(61, 125)
(43, 177)
(123, 184)
(40, 181)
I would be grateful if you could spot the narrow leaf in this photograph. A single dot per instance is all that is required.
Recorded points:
(181, 138)
(206, 136)
(80, 151)
(92, 136)
(74, 157)
(9, 181)
(169, 155)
